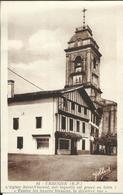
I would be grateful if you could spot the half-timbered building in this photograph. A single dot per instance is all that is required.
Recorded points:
(52, 122)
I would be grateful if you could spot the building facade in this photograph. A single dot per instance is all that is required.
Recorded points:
(52, 122)
(64, 121)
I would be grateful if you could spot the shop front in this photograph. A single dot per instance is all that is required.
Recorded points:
(66, 142)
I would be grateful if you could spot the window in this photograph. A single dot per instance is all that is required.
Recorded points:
(83, 127)
(78, 69)
(15, 123)
(97, 132)
(42, 143)
(85, 110)
(80, 79)
(78, 61)
(38, 122)
(92, 130)
(91, 117)
(94, 63)
(78, 126)
(94, 118)
(85, 42)
(19, 142)
(64, 144)
(79, 108)
(97, 121)
(72, 105)
(65, 102)
(63, 122)
(77, 79)
(71, 124)
(83, 144)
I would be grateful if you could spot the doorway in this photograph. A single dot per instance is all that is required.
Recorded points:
(73, 147)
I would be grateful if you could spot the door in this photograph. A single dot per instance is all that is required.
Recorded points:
(73, 147)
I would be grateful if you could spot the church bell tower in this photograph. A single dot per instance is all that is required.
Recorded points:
(83, 61)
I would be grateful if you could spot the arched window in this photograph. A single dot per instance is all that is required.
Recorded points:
(78, 61)
(78, 64)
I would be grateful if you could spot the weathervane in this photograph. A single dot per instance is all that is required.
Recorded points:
(84, 10)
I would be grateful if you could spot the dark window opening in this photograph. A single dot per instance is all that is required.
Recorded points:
(38, 122)
(78, 126)
(83, 144)
(94, 63)
(78, 61)
(109, 121)
(80, 79)
(100, 111)
(85, 110)
(97, 132)
(83, 127)
(63, 122)
(42, 143)
(97, 121)
(72, 105)
(92, 130)
(71, 124)
(79, 108)
(94, 118)
(19, 142)
(15, 123)
(65, 102)
(64, 144)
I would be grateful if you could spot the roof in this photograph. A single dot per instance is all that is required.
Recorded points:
(86, 85)
(81, 33)
(106, 102)
(52, 93)
(34, 96)
(77, 48)
(41, 94)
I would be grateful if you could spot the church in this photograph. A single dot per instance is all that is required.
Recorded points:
(68, 120)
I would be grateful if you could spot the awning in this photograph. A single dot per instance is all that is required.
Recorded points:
(41, 135)
(68, 135)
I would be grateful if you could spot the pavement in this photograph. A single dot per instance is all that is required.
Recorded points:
(23, 167)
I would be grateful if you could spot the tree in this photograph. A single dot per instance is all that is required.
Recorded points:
(108, 140)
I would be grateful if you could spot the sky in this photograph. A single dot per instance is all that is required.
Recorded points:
(38, 33)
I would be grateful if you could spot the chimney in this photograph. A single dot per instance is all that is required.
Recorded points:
(10, 88)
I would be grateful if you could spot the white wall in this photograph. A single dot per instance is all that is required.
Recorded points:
(85, 136)
(88, 91)
(27, 111)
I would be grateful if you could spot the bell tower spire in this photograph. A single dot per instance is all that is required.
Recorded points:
(84, 10)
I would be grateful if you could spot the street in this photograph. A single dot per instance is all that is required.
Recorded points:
(58, 167)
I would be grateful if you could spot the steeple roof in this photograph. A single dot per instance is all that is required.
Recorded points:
(82, 39)
(81, 33)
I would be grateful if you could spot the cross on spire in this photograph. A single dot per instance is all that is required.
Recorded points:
(84, 10)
